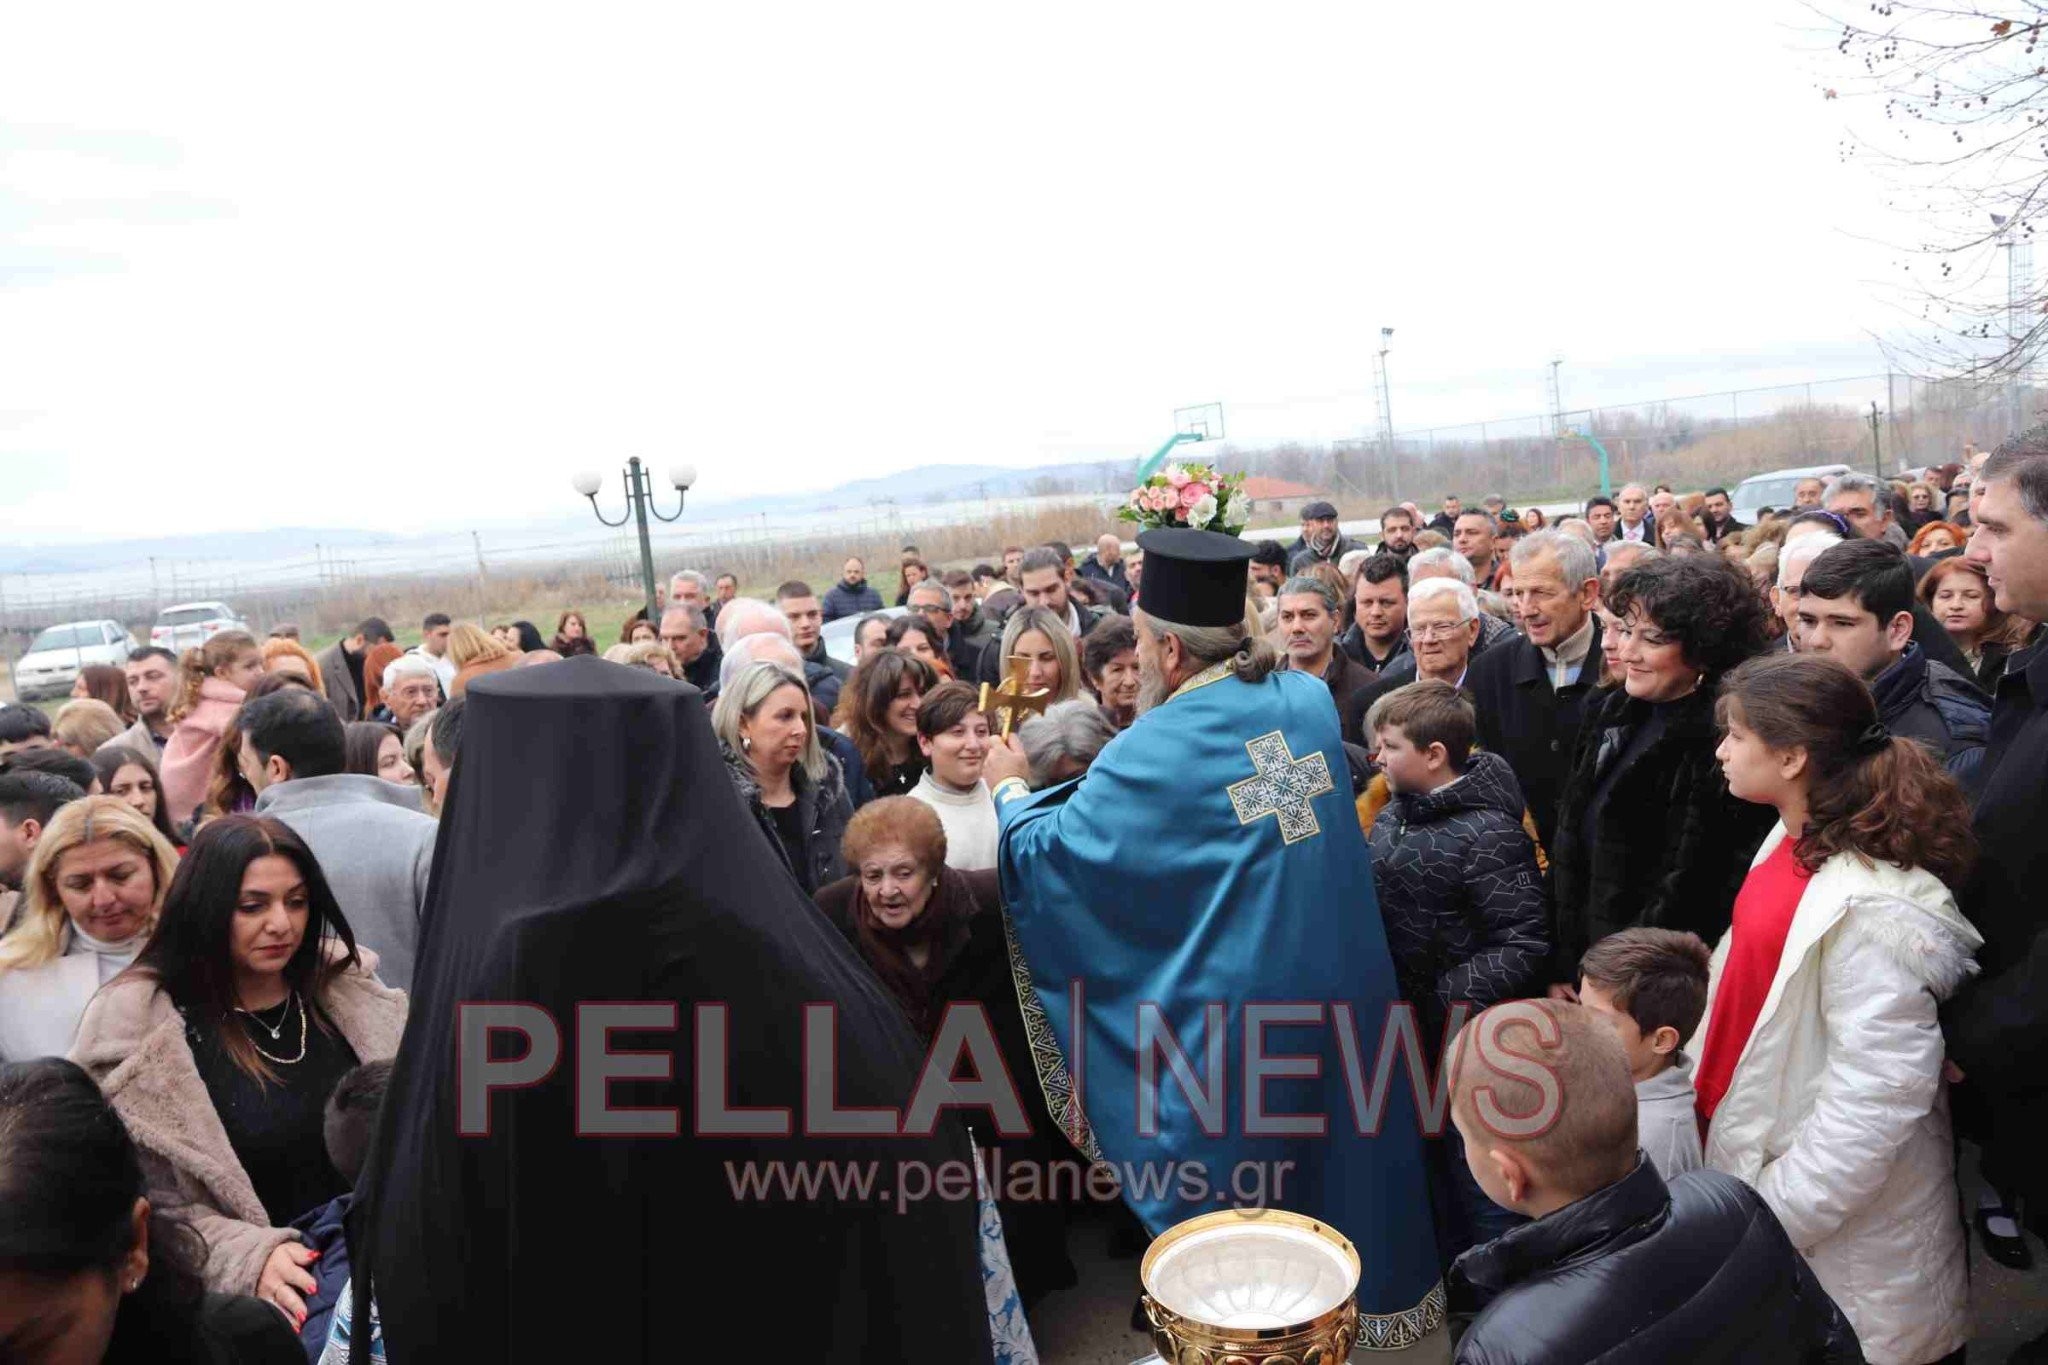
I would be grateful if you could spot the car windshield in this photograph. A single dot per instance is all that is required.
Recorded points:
(188, 616)
(68, 637)
(1767, 492)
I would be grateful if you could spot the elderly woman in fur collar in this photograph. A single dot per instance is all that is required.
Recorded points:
(219, 1047)
(1820, 1073)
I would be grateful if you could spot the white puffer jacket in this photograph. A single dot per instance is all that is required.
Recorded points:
(1836, 1112)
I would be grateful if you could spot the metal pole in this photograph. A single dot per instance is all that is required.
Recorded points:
(1876, 455)
(7, 641)
(482, 607)
(638, 493)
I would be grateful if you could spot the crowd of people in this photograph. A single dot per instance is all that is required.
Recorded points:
(1744, 819)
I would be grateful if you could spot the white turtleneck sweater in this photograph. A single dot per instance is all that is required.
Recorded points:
(40, 1006)
(969, 819)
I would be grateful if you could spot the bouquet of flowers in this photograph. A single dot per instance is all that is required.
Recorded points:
(1190, 495)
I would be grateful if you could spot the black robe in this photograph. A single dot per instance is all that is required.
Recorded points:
(592, 849)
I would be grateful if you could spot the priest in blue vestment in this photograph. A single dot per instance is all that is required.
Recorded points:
(1203, 896)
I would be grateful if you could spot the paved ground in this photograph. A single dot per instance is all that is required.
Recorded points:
(1091, 1324)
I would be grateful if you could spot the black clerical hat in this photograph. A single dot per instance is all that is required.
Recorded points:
(1194, 578)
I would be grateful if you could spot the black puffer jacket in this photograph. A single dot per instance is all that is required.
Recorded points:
(1698, 1270)
(1921, 699)
(1461, 894)
(1669, 847)
(826, 810)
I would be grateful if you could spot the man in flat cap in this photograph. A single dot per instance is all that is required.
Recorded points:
(1320, 541)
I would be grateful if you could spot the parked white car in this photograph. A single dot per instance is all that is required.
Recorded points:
(191, 624)
(55, 657)
(1775, 489)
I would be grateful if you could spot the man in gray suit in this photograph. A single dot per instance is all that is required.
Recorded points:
(372, 840)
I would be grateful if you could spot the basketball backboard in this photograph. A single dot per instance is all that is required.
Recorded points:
(1201, 423)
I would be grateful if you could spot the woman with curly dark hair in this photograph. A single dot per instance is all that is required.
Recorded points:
(1820, 1060)
(1647, 833)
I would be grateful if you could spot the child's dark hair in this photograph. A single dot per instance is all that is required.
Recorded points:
(352, 1116)
(1431, 712)
(1869, 792)
(1655, 976)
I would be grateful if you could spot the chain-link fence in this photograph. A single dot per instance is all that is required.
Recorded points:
(1692, 441)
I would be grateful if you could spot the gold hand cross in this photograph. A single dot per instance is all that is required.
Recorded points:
(1012, 701)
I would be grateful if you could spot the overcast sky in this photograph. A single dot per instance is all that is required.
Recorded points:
(413, 266)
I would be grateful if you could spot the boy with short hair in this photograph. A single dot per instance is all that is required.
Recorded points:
(1459, 892)
(1617, 1265)
(1651, 986)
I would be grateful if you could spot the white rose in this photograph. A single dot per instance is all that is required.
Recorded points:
(1202, 513)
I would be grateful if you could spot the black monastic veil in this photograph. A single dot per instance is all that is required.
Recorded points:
(593, 849)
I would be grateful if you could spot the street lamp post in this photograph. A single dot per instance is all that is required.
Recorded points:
(639, 503)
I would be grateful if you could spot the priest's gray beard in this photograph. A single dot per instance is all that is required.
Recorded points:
(1153, 687)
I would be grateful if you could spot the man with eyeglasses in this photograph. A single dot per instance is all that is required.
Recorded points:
(1443, 626)
(1529, 691)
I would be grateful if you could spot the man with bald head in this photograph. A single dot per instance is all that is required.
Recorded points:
(1545, 1112)
(1106, 565)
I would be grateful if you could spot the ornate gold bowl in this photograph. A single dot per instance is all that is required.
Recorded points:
(1251, 1287)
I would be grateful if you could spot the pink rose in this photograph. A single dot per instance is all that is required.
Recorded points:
(1176, 476)
(1193, 493)
(1164, 500)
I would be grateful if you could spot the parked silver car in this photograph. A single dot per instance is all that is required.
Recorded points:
(1775, 488)
(56, 656)
(191, 624)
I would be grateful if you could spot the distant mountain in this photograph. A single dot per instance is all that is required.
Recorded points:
(945, 482)
(282, 542)
(911, 487)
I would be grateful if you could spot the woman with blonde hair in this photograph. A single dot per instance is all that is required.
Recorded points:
(1042, 640)
(84, 724)
(289, 656)
(474, 654)
(654, 656)
(213, 680)
(91, 896)
(794, 789)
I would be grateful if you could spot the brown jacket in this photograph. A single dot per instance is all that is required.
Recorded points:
(132, 1041)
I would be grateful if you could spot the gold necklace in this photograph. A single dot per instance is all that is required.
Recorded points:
(290, 998)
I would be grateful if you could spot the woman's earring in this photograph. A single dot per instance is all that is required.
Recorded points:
(746, 745)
